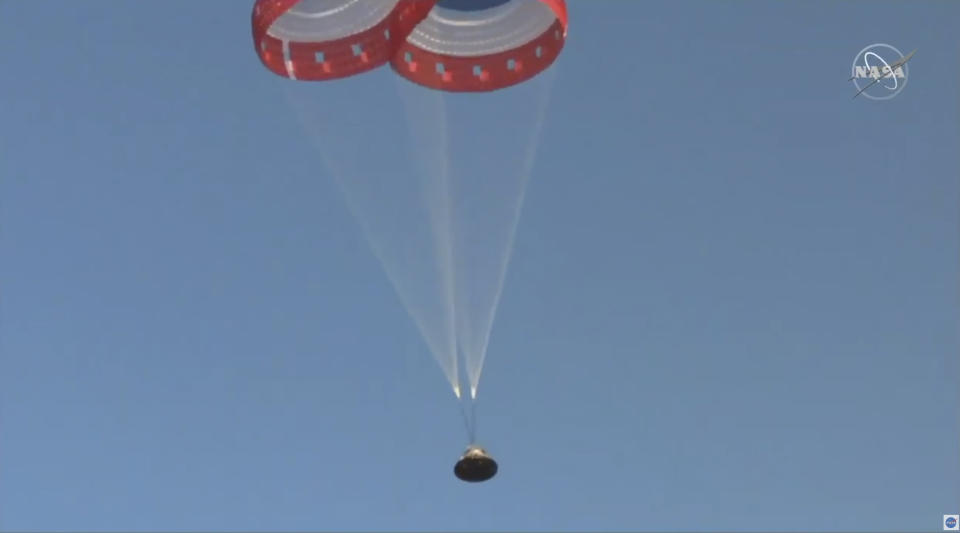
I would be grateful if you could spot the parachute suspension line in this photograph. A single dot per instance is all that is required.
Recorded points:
(444, 241)
(528, 163)
(337, 143)
(469, 418)
(473, 419)
(467, 423)
(437, 199)
(435, 192)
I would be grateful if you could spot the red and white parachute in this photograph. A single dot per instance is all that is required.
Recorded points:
(471, 181)
(450, 45)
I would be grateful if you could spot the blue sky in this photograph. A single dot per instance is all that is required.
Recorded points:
(732, 304)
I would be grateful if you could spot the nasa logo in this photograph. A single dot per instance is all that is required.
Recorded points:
(879, 71)
(950, 522)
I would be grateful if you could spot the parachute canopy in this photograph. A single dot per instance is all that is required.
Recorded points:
(450, 45)
(444, 230)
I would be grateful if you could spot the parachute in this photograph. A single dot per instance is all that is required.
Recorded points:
(444, 53)
(449, 45)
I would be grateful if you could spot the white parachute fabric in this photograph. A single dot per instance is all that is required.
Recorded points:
(484, 32)
(329, 20)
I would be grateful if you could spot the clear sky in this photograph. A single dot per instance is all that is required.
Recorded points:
(733, 303)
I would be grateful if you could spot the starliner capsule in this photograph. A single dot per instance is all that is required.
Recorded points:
(475, 465)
